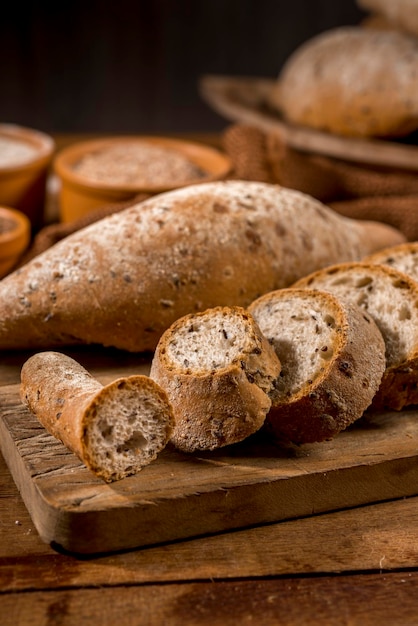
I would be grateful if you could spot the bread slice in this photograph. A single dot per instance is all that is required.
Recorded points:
(123, 280)
(328, 379)
(115, 429)
(218, 371)
(403, 257)
(391, 298)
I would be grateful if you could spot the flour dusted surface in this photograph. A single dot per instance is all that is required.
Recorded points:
(123, 280)
(353, 81)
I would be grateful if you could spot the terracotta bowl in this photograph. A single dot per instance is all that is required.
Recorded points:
(80, 194)
(25, 155)
(15, 232)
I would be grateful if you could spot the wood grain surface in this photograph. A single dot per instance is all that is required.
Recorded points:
(338, 601)
(356, 566)
(377, 538)
(181, 496)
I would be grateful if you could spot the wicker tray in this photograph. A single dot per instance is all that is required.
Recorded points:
(245, 100)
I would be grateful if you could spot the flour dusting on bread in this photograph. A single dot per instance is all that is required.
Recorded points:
(352, 81)
(123, 280)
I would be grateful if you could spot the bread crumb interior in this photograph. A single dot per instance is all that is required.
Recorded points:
(126, 431)
(303, 336)
(208, 343)
(388, 301)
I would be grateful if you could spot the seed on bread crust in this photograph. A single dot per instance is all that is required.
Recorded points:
(218, 371)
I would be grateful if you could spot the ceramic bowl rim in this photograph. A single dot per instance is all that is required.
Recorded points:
(45, 146)
(197, 152)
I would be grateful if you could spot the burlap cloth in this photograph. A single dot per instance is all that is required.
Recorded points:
(353, 190)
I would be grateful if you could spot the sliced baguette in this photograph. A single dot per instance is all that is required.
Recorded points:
(115, 429)
(403, 257)
(391, 298)
(328, 379)
(218, 371)
(123, 280)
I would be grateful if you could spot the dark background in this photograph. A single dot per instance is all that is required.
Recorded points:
(133, 66)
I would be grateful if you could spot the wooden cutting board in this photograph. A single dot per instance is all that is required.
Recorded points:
(181, 496)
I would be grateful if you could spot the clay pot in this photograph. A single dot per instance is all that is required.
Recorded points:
(80, 194)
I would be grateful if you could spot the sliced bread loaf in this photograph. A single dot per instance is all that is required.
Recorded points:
(218, 371)
(391, 298)
(403, 257)
(115, 429)
(327, 379)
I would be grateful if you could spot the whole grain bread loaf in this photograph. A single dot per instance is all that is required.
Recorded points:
(123, 280)
(403, 14)
(391, 298)
(115, 429)
(328, 378)
(352, 81)
(218, 371)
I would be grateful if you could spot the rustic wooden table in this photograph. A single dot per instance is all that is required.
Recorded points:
(355, 566)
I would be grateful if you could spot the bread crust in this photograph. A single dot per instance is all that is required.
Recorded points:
(352, 81)
(344, 386)
(217, 407)
(399, 386)
(403, 257)
(402, 14)
(401, 382)
(67, 401)
(123, 280)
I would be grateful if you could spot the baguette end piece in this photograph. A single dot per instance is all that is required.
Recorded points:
(125, 426)
(115, 430)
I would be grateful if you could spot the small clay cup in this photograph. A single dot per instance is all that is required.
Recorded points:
(23, 184)
(15, 234)
(80, 195)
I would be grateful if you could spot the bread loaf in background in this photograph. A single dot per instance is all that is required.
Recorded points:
(123, 280)
(402, 14)
(333, 359)
(352, 81)
(115, 429)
